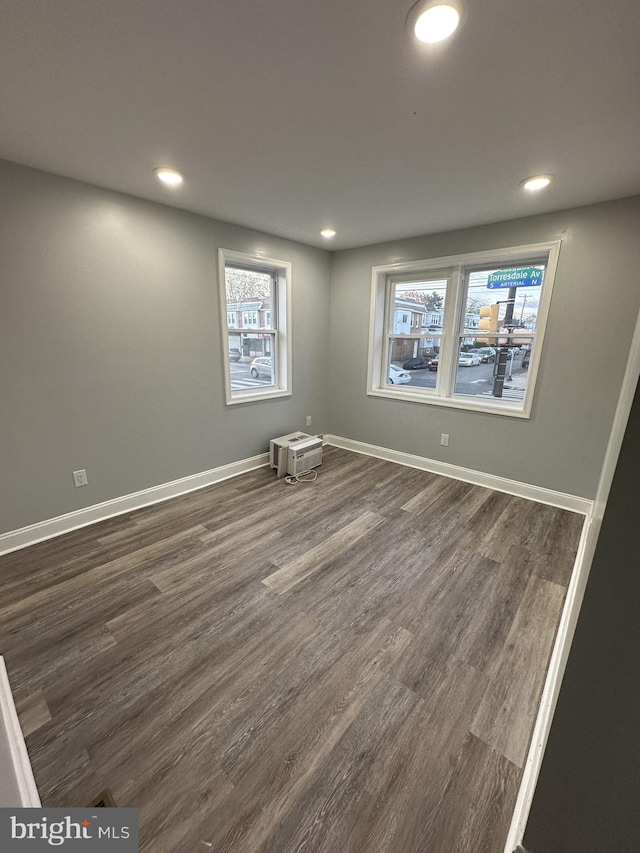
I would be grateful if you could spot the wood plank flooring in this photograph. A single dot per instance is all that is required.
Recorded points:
(349, 665)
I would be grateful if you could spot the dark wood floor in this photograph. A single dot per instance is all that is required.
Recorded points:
(349, 665)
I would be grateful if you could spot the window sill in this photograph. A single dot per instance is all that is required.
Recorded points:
(509, 410)
(256, 396)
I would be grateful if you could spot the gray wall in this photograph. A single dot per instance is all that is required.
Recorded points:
(110, 351)
(586, 800)
(595, 303)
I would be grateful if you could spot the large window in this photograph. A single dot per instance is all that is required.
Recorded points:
(463, 331)
(255, 296)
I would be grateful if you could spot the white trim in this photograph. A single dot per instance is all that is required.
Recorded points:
(469, 404)
(281, 335)
(503, 253)
(553, 681)
(251, 396)
(573, 503)
(573, 602)
(25, 536)
(451, 267)
(620, 419)
(20, 763)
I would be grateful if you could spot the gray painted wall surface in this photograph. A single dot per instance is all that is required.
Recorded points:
(110, 351)
(595, 303)
(586, 800)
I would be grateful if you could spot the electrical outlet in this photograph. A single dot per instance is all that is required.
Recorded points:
(444, 439)
(308, 420)
(80, 478)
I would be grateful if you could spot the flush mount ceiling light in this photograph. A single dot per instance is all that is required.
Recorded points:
(536, 182)
(432, 21)
(328, 232)
(168, 176)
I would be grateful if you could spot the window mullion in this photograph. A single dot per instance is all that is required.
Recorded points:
(448, 346)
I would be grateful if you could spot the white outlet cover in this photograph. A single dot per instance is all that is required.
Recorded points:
(80, 478)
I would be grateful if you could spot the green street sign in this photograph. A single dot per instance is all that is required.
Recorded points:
(519, 277)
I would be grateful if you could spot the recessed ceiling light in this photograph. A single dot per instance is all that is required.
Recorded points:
(436, 23)
(536, 182)
(168, 176)
(328, 232)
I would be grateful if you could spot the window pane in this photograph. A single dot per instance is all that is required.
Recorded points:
(252, 372)
(412, 363)
(493, 373)
(418, 309)
(498, 329)
(250, 299)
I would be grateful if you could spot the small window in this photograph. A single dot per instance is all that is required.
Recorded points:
(256, 351)
(477, 329)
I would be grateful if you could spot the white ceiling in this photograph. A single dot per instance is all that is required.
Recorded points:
(289, 115)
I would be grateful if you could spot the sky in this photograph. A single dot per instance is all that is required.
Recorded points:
(526, 303)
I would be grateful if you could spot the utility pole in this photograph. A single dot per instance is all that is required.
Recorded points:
(503, 351)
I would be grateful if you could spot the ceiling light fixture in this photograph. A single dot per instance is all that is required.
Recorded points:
(328, 232)
(536, 182)
(168, 176)
(434, 21)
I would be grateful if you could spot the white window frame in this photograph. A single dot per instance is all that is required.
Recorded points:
(453, 268)
(281, 335)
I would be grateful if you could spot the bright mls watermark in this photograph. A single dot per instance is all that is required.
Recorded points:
(82, 830)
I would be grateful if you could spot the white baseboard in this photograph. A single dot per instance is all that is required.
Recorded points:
(573, 503)
(553, 681)
(17, 785)
(25, 536)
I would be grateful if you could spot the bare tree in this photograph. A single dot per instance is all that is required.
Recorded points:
(247, 286)
(432, 301)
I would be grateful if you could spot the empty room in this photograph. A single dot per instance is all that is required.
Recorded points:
(319, 346)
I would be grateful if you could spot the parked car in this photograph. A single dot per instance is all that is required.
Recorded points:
(234, 354)
(433, 363)
(487, 354)
(417, 363)
(260, 367)
(397, 376)
(468, 359)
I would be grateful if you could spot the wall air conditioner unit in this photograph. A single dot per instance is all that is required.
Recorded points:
(279, 447)
(279, 452)
(304, 455)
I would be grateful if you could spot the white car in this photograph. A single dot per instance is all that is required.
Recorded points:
(468, 359)
(261, 367)
(397, 376)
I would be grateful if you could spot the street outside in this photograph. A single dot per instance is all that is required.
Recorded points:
(242, 378)
(477, 380)
(473, 381)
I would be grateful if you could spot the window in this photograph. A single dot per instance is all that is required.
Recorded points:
(477, 330)
(256, 352)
